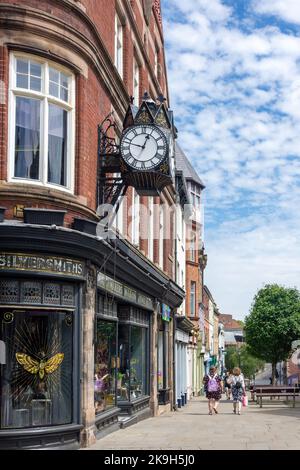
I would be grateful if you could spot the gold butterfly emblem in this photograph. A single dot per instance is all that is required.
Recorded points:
(40, 367)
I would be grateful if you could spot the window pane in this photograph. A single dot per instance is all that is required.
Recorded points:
(36, 380)
(22, 81)
(138, 362)
(64, 95)
(124, 359)
(53, 75)
(64, 80)
(54, 89)
(22, 66)
(57, 150)
(160, 360)
(105, 365)
(35, 84)
(35, 69)
(27, 140)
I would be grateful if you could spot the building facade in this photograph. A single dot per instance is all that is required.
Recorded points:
(81, 316)
(191, 184)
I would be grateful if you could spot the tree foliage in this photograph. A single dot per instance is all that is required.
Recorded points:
(241, 357)
(273, 323)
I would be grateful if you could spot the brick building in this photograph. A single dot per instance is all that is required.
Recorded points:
(195, 262)
(82, 317)
(233, 331)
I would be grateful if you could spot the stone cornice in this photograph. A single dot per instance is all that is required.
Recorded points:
(16, 17)
(17, 192)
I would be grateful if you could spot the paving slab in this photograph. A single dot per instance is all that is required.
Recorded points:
(271, 427)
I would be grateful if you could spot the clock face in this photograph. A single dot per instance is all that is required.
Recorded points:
(143, 147)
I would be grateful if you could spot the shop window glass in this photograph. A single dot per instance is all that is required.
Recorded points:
(105, 365)
(27, 140)
(133, 356)
(160, 365)
(37, 376)
(138, 362)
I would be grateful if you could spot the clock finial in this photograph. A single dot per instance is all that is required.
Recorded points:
(161, 98)
(146, 96)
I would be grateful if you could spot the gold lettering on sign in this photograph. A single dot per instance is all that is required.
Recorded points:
(50, 264)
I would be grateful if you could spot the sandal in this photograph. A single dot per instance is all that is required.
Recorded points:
(210, 413)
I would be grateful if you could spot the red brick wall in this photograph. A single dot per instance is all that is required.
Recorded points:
(3, 110)
(93, 102)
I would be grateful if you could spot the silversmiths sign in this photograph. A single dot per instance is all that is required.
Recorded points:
(41, 263)
(123, 291)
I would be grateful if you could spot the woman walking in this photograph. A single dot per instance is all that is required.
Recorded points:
(213, 389)
(227, 384)
(238, 389)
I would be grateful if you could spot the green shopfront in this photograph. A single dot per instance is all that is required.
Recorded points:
(122, 349)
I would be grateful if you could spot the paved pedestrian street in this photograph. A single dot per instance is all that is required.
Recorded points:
(275, 426)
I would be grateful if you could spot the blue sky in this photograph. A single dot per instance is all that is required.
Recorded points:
(234, 80)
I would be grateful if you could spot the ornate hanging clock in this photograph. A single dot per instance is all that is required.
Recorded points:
(146, 147)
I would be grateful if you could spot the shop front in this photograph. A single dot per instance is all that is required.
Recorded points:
(78, 352)
(183, 360)
(163, 357)
(181, 348)
(124, 343)
(39, 315)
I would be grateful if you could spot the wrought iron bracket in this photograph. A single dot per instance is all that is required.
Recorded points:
(110, 185)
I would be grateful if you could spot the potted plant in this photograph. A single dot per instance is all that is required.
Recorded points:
(2, 210)
(85, 225)
(41, 216)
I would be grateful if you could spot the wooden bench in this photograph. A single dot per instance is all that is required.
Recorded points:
(276, 391)
(253, 389)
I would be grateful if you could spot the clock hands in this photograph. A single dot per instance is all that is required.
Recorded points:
(131, 143)
(147, 138)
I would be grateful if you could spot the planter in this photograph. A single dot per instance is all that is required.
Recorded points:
(85, 225)
(2, 210)
(43, 216)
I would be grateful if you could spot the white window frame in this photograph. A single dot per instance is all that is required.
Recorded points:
(161, 236)
(193, 247)
(45, 100)
(119, 45)
(135, 222)
(193, 296)
(136, 82)
(151, 229)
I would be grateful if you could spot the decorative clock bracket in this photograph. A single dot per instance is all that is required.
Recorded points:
(110, 185)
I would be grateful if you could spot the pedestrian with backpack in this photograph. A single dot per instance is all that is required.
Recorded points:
(238, 389)
(213, 389)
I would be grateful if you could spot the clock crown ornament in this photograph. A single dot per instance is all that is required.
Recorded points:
(147, 146)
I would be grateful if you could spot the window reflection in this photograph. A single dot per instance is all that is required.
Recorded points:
(27, 145)
(105, 365)
(36, 379)
(132, 377)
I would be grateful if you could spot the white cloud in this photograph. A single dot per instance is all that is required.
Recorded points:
(287, 10)
(235, 90)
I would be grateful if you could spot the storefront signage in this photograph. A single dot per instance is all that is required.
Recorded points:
(181, 336)
(41, 263)
(123, 291)
(165, 312)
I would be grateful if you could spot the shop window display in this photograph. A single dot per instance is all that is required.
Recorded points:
(37, 374)
(106, 365)
(133, 347)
